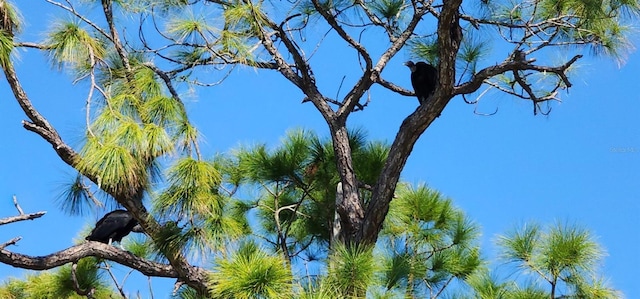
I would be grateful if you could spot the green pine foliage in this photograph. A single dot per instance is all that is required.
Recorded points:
(251, 272)
(59, 284)
(257, 216)
(10, 24)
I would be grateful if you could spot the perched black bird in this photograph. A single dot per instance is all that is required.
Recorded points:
(424, 78)
(113, 227)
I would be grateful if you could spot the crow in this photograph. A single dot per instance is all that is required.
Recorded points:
(424, 78)
(113, 227)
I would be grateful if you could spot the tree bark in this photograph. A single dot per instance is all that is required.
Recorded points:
(95, 249)
(415, 124)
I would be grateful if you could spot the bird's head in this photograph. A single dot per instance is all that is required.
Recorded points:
(411, 65)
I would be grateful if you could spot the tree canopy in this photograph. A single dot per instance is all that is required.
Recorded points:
(141, 150)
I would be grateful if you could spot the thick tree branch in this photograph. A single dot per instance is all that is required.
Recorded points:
(449, 37)
(38, 123)
(90, 248)
(478, 79)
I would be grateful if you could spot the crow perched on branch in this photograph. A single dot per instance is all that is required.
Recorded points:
(113, 227)
(424, 78)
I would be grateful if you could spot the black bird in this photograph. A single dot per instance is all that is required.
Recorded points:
(424, 78)
(113, 227)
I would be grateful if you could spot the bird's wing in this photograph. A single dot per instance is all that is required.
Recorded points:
(110, 223)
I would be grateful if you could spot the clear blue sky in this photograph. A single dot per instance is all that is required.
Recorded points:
(579, 164)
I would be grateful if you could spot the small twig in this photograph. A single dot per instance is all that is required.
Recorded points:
(115, 280)
(340, 86)
(10, 242)
(76, 286)
(150, 287)
(475, 111)
(176, 287)
(358, 106)
(15, 203)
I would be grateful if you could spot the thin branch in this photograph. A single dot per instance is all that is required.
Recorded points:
(22, 217)
(150, 287)
(176, 287)
(332, 21)
(395, 88)
(114, 279)
(81, 17)
(376, 21)
(76, 286)
(10, 242)
(15, 203)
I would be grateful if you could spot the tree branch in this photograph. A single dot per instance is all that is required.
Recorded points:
(479, 78)
(22, 217)
(86, 249)
(415, 124)
(38, 123)
(10, 242)
(76, 286)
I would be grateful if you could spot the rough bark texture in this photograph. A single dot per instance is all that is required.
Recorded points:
(413, 126)
(95, 249)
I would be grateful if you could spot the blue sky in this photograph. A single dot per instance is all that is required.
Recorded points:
(580, 164)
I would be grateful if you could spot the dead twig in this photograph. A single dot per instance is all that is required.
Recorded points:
(76, 286)
(31, 216)
(10, 242)
(15, 203)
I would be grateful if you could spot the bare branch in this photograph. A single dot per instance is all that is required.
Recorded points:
(15, 203)
(76, 286)
(395, 88)
(86, 249)
(115, 280)
(22, 217)
(331, 20)
(38, 123)
(479, 78)
(10, 242)
(376, 21)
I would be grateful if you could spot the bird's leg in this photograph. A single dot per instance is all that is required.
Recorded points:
(121, 247)
(110, 240)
